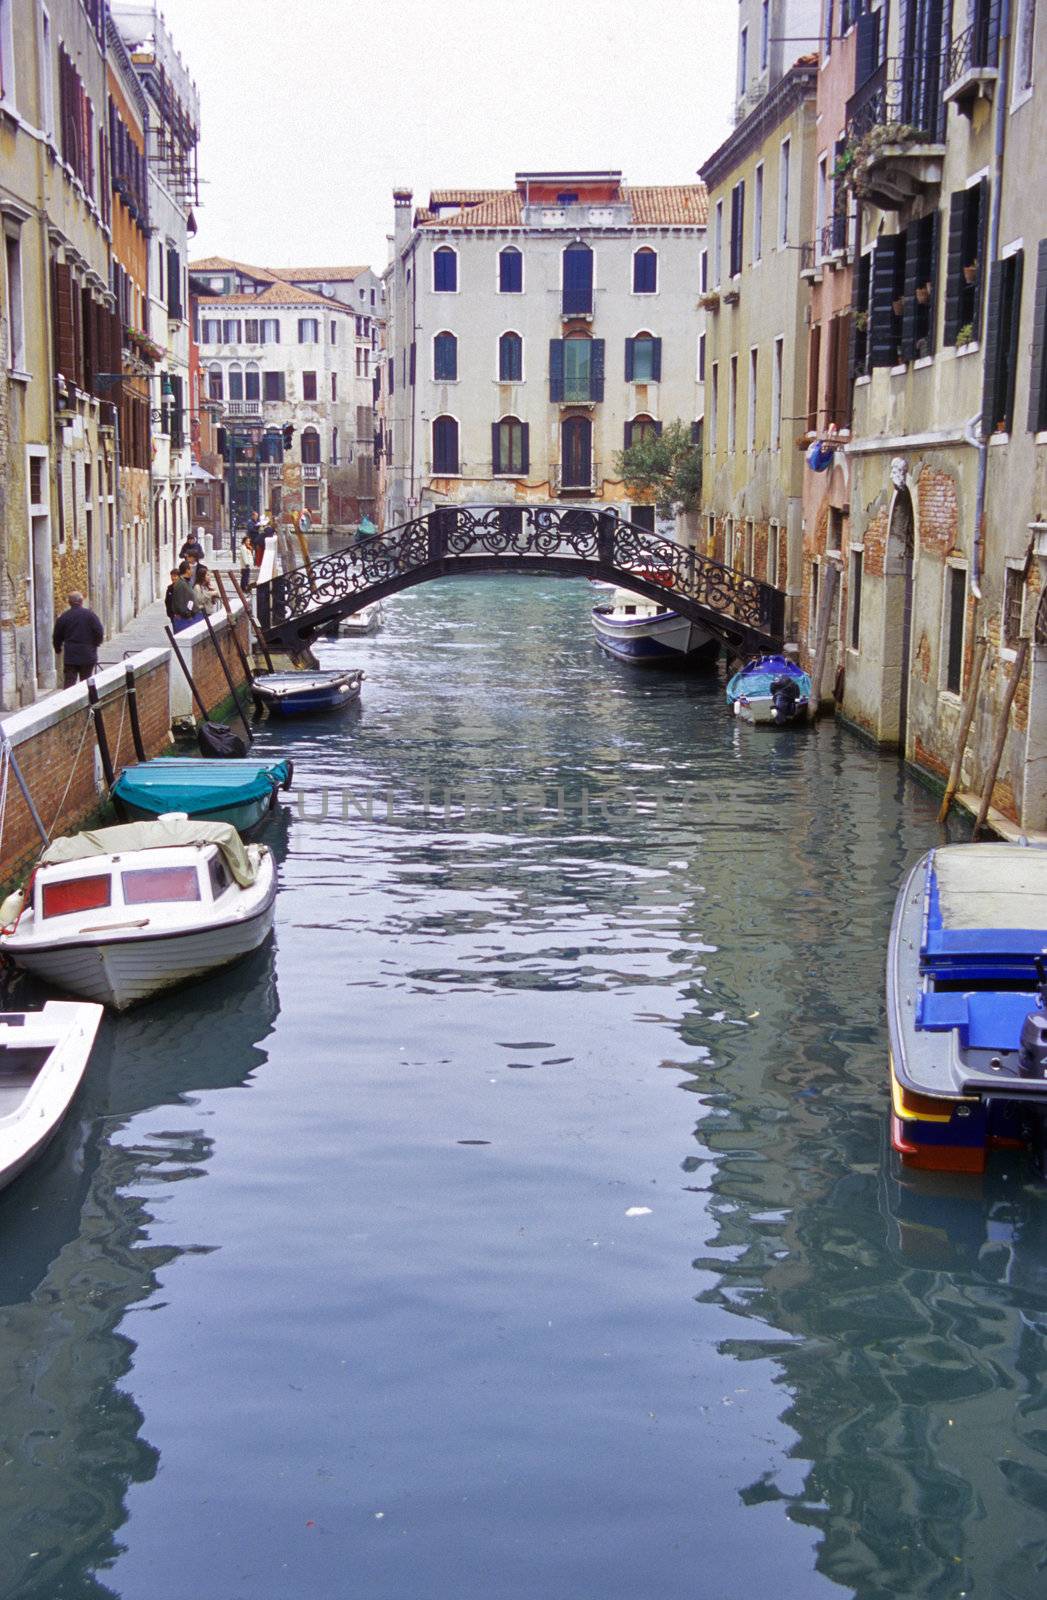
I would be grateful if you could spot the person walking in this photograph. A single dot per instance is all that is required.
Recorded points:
(77, 635)
(183, 601)
(192, 549)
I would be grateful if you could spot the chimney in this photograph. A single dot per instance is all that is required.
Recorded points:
(401, 218)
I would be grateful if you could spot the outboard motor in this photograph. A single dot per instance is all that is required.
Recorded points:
(1032, 1046)
(219, 742)
(784, 694)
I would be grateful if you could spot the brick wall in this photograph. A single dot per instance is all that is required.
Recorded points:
(203, 663)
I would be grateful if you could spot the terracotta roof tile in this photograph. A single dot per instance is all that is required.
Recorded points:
(226, 264)
(682, 204)
(277, 294)
(659, 205)
(317, 274)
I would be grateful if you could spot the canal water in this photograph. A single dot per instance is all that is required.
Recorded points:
(522, 1222)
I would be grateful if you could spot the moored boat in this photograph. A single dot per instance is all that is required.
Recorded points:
(770, 689)
(647, 632)
(367, 620)
(241, 792)
(295, 694)
(43, 1055)
(967, 1007)
(118, 914)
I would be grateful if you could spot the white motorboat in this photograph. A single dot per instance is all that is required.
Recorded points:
(648, 632)
(42, 1059)
(119, 914)
(367, 620)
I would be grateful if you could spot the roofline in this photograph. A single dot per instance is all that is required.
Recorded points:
(611, 174)
(797, 85)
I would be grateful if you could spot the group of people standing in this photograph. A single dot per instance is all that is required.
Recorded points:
(192, 592)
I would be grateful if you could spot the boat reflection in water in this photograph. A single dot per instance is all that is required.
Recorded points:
(74, 1260)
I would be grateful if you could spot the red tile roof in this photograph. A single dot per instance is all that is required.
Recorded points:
(660, 205)
(275, 294)
(317, 274)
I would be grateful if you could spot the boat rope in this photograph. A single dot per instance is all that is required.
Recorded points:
(72, 770)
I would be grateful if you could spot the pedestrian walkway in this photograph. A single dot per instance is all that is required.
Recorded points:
(146, 631)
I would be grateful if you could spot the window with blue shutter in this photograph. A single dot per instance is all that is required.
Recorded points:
(510, 271)
(643, 359)
(645, 271)
(445, 270)
(445, 358)
(1001, 344)
(556, 365)
(510, 358)
(577, 280)
(596, 379)
(884, 327)
(737, 228)
(445, 445)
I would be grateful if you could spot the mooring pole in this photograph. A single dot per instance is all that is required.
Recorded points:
(131, 690)
(245, 664)
(252, 624)
(100, 733)
(223, 663)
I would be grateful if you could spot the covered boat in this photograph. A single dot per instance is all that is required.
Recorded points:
(118, 914)
(967, 1006)
(296, 694)
(636, 628)
(367, 620)
(42, 1059)
(240, 792)
(770, 689)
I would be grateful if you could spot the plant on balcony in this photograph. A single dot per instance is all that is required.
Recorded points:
(970, 272)
(731, 297)
(669, 466)
(845, 162)
(965, 335)
(710, 300)
(883, 136)
(861, 320)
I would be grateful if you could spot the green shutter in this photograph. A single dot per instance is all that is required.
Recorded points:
(656, 361)
(912, 263)
(630, 345)
(496, 453)
(628, 435)
(954, 268)
(991, 384)
(882, 346)
(525, 463)
(596, 370)
(1039, 329)
(555, 369)
(932, 322)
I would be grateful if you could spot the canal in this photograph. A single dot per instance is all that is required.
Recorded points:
(523, 1222)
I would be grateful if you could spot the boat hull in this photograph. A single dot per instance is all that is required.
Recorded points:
(28, 1128)
(759, 709)
(244, 817)
(668, 640)
(340, 690)
(240, 792)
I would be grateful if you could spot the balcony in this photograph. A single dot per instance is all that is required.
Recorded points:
(970, 67)
(826, 249)
(310, 473)
(243, 408)
(896, 123)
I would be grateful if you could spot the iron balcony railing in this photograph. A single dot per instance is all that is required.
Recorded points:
(904, 91)
(830, 242)
(975, 47)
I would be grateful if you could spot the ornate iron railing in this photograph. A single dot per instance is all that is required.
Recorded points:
(975, 47)
(905, 92)
(296, 605)
(830, 241)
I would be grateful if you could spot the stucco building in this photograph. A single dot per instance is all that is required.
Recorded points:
(534, 332)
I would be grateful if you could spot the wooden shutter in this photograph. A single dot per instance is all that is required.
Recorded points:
(882, 346)
(413, 361)
(596, 370)
(867, 57)
(954, 267)
(555, 369)
(657, 430)
(912, 267)
(983, 244)
(656, 361)
(1001, 343)
(628, 436)
(935, 247)
(991, 385)
(630, 346)
(525, 447)
(496, 448)
(65, 338)
(1039, 329)
(814, 356)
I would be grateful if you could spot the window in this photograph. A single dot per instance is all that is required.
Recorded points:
(783, 192)
(1023, 48)
(334, 447)
(308, 330)
(642, 517)
(150, 885)
(509, 447)
(639, 429)
(236, 383)
(737, 227)
(308, 385)
(776, 394)
(773, 533)
(445, 358)
(743, 61)
(758, 213)
(47, 93)
(312, 496)
(76, 114)
(334, 387)
(643, 359)
(15, 311)
(645, 271)
(332, 332)
(310, 447)
(269, 330)
(965, 268)
(272, 385)
(251, 330)
(510, 358)
(210, 331)
(732, 403)
(1038, 379)
(445, 445)
(765, 35)
(62, 899)
(231, 330)
(252, 383)
(814, 361)
(701, 358)
(834, 531)
(7, 54)
(510, 271)
(703, 271)
(956, 607)
(828, 28)
(698, 434)
(576, 369)
(718, 244)
(214, 383)
(1013, 594)
(820, 203)
(714, 408)
(576, 448)
(812, 615)
(577, 280)
(750, 422)
(837, 375)
(1001, 343)
(855, 632)
(445, 270)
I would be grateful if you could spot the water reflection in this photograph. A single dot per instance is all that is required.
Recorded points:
(75, 1259)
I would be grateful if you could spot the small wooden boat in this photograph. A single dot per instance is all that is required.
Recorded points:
(297, 694)
(241, 792)
(42, 1059)
(118, 914)
(770, 689)
(367, 620)
(646, 632)
(967, 1006)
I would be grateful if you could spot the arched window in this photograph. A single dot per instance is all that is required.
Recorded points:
(645, 271)
(445, 445)
(576, 453)
(509, 447)
(252, 381)
(215, 387)
(577, 280)
(236, 383)
(510, 358)
(643, 359)
(445, 270)
(640, 428)
(310, 447)
(445, 358)
(510, 270)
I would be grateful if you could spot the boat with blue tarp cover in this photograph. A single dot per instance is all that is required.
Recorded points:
(297, 694)
(241, 792)
(770, 689)
(967, 1007)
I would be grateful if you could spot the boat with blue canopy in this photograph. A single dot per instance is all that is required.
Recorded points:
(967, 1007)
(770, 689)
(241, 792)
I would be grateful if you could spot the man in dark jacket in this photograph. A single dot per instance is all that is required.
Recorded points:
(183, 601)
(78, 633)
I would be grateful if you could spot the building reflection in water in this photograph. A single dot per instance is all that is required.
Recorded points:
(73, 1262)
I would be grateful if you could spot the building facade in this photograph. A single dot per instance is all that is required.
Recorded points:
(534, 333)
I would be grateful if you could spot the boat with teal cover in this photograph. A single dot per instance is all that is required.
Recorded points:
(240, 792)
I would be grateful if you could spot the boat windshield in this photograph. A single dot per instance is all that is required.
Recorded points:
(145, 885)
(76, 894)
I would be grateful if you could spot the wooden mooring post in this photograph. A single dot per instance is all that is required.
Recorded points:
(826, 601)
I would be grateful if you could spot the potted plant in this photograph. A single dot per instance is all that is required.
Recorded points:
(898, 306)
(923, 294)
(861, 320)
(709, 300)
(965, 335)
(970, 272)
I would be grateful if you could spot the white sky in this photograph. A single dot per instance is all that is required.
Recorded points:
(312, 111)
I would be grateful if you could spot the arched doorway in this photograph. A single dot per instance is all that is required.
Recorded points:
(898, 587)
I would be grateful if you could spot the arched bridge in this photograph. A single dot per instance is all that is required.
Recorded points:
(558, 541)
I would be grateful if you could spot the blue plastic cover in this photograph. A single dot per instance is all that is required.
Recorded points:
(756, 677)
(193, 786)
